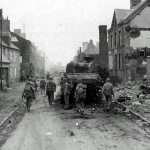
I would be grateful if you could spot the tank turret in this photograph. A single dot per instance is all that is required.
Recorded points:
(86, 66)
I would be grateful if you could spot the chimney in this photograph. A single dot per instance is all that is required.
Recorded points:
(103, 45)
(17, 31)
(134, 3)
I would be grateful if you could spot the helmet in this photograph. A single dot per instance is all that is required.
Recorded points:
(80, 90)
(107, 80)
(50, 77)
(28, 83)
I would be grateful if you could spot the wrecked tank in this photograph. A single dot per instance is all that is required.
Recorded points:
(85, 71)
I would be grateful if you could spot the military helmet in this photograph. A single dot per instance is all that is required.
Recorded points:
(80, 90)
(50, 78)
(108, 80)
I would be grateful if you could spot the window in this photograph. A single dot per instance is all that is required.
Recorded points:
(122, 62)
(115, 40)
(8, 55)
(111, 41)
(119, 61)
(13, 56)
(116, 62)
(4, 51)
(119, 38)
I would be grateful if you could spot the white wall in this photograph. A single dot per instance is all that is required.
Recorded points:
(142, 41)
(142, 20)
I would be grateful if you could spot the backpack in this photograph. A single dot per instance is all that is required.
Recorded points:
(42, 83)
(80, 90)
(108, 89)
(28, 92)
(50, 86)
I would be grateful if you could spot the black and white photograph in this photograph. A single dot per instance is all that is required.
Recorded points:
(74, 75)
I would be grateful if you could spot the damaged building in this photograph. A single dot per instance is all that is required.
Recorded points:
(98, 52)
(129, 41)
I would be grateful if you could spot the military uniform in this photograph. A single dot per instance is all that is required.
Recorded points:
(42, 85)
(50, 89)
(67, 90)
(80, 96)
(28, 94)
(108, 92)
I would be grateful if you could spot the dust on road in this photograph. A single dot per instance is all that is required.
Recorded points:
(46, 128)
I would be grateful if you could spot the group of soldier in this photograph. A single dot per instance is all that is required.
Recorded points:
(79, 94)
(105, 92)
(31, 88)
(49, 87)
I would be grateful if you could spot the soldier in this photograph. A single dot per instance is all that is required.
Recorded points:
(42, 85)
(67, 89)
(108, 92)
(33, 81)
(80, 96)
(50, 89)
(28, 94)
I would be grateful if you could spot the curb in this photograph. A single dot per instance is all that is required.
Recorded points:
(9, 123)
(142, 122)
(11, 117)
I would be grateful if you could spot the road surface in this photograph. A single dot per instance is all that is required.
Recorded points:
(46, 128)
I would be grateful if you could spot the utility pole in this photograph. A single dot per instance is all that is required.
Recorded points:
(1, 19)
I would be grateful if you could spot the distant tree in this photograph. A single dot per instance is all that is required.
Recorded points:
(102, 71)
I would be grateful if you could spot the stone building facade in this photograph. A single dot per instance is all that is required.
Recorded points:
(32, 61)
(129, 41)
(10, 55)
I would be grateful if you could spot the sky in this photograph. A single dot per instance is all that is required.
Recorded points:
(58, 27)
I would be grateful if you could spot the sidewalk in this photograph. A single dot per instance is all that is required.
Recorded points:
(10, 100)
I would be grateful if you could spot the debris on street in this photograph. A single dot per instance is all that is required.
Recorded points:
(135, 96)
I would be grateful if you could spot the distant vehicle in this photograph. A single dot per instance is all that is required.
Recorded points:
(85, 71)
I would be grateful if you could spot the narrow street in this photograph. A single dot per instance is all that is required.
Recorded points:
(46, 128)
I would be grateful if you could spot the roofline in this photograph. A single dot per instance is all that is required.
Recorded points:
(135, 12)
(14, 47)
(10, 47)
(20, 36)
(17, 35)
(122, 9)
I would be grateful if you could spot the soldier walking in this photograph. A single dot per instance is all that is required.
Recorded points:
(28, 94)
(50, 89)
(67, 89)
(80, 96)
(108, 92)
(42, 85)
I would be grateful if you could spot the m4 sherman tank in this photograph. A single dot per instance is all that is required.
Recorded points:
(85, 72)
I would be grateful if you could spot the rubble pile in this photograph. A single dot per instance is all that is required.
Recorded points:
(135, 96)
